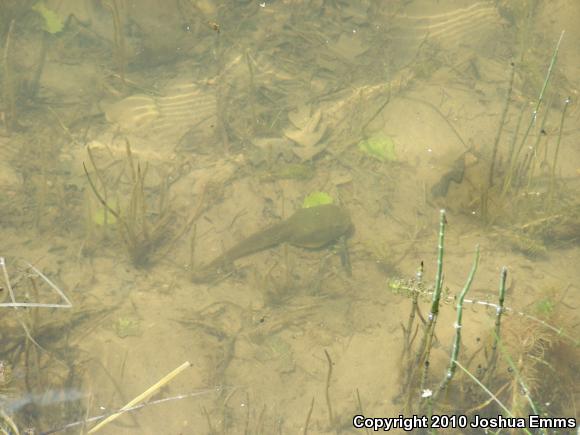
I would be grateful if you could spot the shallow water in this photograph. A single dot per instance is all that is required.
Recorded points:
(144, 139)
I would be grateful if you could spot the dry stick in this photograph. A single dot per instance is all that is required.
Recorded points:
(458, 325)
(327, 389)
(117, 388)
(134, 408)
(143, 396)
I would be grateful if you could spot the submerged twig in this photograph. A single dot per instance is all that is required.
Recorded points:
(327, 389)
(133, 408)
(143, 396)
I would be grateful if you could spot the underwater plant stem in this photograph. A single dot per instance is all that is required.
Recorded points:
(512, 148)
(252, 92)
(327, 389)
(439, 275)
(411, 321)
(308, 416)
(106, 199)
(8, 94)
(458, 325)
(427, 341)
(497, 331)
(548, 75)
(523, 387)
(100, 198)
(529, 164)
(360, 408)
(509, 176)
(119, 38)
(557, 151)
(489, 393)
(501, 125)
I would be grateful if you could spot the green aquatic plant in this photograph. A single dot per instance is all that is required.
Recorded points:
(380, 147)
(127, 327)
(52, 23)
(315, 199)
(146, 223)
(523, 362)
(545, 307)
(102, 217)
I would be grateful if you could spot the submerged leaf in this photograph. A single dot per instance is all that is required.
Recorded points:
(317, 198)
(52, 22)
(380, 147)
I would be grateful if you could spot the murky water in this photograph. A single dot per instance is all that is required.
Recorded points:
(140, 140)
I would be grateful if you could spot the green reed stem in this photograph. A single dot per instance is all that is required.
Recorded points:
(501, 124)
(427, 342)
(531, 161)
(509, 176)
(549, 74)
(439, 276)
(492, 361)
(557, 151)
(458, 324)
